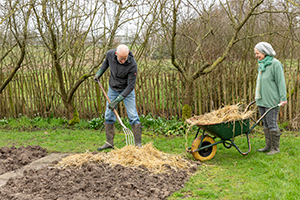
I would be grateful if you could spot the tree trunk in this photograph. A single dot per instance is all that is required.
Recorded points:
(188, 93)
(72, 113)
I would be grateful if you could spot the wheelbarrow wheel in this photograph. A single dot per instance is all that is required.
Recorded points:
(204, 154)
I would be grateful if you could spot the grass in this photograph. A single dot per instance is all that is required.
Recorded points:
(229, 175)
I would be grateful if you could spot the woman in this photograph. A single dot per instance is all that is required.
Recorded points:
(270, 91)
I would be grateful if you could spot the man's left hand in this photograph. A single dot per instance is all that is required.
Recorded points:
(112, 105)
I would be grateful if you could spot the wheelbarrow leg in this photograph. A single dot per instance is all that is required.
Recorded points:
(249, 145)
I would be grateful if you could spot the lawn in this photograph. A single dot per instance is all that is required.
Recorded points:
(229, 175)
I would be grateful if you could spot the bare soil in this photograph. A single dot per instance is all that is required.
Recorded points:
(12, 158)
(94, 181)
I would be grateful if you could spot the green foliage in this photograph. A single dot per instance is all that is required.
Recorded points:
(3, 121)
(283, 125)
(157, 125)
(96, 123)
(166, 127)
(176, 128)
(186, 112)
(57, 121)
(37, 123)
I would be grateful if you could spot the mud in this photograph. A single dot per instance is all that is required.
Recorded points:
(12, 158)
(94, 181)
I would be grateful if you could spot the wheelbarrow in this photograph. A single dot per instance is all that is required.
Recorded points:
(204, 147)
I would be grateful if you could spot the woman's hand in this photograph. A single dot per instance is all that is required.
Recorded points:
(283, 103)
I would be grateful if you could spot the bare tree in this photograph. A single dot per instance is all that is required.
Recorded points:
(19, 30)
(77, 35)
(200, 35)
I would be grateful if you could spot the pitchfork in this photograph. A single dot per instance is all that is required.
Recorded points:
(128, 133)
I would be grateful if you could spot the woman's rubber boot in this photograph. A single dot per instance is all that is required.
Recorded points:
(268, 137)
(137, 132)
(275, 142)
(110, 134)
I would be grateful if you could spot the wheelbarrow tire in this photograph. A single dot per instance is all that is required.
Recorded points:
(205, 154)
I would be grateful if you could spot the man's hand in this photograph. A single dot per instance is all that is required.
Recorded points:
(112, 105)
(96, 77)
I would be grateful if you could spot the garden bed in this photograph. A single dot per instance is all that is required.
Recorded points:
(93, 181)
(12, 158)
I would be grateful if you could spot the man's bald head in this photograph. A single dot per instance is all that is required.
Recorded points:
(122, 48)
(122, 53)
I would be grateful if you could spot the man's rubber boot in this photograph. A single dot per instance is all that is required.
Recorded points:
(137, 132)
(110, 134)
(275, 142)
(268, 138)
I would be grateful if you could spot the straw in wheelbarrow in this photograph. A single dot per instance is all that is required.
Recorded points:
(128, 133)
(225, 114)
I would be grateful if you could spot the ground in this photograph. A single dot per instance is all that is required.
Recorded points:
(13, 158)
(93, 181)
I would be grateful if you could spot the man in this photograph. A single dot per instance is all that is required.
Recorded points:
(123, 71)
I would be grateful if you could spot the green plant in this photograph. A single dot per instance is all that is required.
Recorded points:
(36, 120)
(26, 123)
(283, 125)
(96, 123)
(3, 121)
(165, 127)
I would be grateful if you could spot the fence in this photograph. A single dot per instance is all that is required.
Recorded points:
(161, 94)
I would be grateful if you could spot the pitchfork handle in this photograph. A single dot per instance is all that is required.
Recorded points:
(118, 117)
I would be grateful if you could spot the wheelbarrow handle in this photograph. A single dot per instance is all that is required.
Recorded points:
(256, 122)
(250, 104)
(114, 110)
(278, 105)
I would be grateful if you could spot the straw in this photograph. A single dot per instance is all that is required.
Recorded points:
(225, 114)
(146, 156)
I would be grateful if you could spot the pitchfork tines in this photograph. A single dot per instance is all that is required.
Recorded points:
(128, 133)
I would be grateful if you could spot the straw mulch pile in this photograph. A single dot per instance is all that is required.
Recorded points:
(225, 114)
(130, 156)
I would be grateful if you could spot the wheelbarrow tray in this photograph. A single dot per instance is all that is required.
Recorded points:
(227, 130)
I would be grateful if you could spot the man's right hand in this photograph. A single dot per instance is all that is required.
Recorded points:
(96, 77)
(98, 74)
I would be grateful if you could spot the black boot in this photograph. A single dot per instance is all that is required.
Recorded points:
(275, 142)
(268, 137)
(137, 132)
(110, 134)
